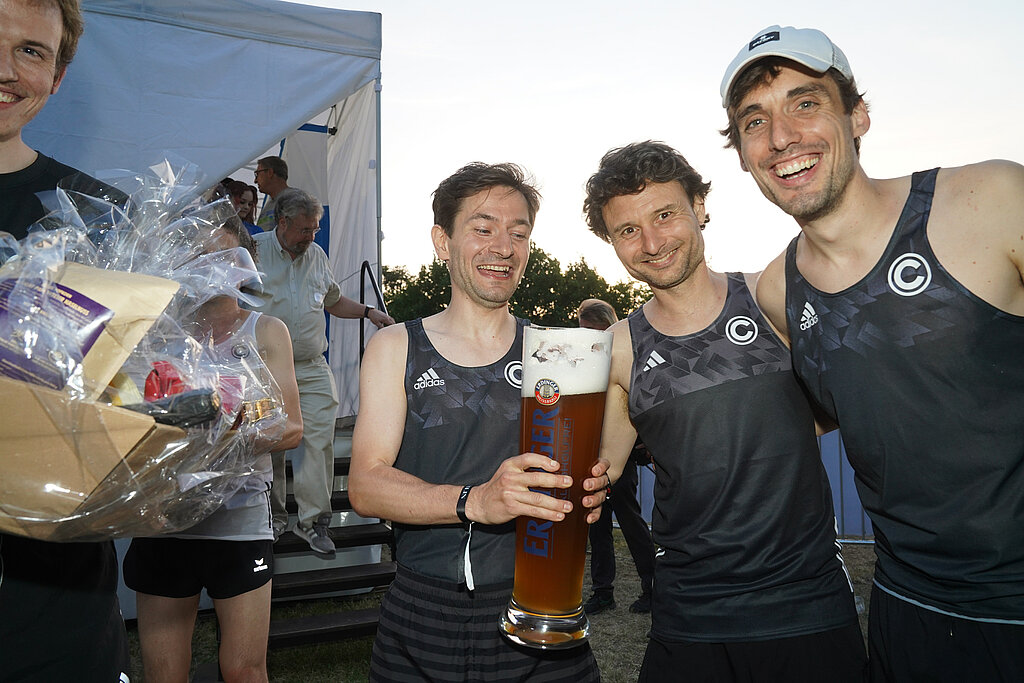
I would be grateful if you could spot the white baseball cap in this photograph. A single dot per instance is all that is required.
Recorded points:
(807, 46)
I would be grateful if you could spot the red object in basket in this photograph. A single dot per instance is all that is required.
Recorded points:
(163, 381)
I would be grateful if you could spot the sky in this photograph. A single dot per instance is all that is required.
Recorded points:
(554, 85)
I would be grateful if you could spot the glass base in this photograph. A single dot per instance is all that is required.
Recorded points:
(544, 631)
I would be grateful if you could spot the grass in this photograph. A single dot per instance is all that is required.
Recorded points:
(339, 662)
(618, 637)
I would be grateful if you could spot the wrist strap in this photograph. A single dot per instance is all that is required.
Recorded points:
(460, 507)
(366, 311)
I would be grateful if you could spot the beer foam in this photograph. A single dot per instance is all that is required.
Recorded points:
(577, 359)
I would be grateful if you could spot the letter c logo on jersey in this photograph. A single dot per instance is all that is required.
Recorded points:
(909, 274)
(514, 373)
(741, 330)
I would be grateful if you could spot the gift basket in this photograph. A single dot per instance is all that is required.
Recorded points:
(119, 418)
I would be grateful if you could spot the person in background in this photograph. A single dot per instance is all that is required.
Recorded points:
(750, 583)
(243, 197)
(904, 301)
(59, 615)
(622, 501)
(271, 177)
(298, 288)
(435, 451)
(230, 553)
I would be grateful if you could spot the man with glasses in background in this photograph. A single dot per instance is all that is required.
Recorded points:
(271, 179)
(297, 288)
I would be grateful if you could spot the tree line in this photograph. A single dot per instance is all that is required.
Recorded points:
(547, 295)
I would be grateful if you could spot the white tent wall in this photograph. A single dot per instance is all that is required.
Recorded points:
(335, 158)
(352, 172)
(216, 82)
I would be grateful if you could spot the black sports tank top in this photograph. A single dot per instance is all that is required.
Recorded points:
(742, 504)
(926, 382)
(460, 425)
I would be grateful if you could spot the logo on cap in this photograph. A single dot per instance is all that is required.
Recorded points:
(764, 38)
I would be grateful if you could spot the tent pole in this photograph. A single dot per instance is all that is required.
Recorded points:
(380, 233)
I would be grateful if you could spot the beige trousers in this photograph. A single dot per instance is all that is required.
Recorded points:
(313, 461)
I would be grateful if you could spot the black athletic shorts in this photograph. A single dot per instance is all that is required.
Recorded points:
(182, 567)
(911, 643)
(835, 656)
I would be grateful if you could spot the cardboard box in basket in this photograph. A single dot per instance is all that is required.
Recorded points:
(55, 453)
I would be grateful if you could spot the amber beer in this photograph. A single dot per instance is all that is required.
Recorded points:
(565, 377)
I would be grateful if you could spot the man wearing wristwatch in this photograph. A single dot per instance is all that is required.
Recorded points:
(297, 288)
(435, 450)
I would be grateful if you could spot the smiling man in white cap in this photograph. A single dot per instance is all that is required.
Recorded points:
(904, 303)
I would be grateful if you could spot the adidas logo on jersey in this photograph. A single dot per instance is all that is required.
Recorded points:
(808, 318)
(260, 566)
(653, 361)
(428, 379)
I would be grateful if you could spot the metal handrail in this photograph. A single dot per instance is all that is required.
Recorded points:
(364, 271)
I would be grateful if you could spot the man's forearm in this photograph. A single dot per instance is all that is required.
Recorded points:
(346, 308)
(398, 496)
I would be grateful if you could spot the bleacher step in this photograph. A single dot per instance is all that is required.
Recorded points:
(323, 628)
(321, 581)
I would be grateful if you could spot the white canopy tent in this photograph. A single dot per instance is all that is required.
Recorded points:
(219, 82)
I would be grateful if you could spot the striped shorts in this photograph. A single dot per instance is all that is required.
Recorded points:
(434, 630)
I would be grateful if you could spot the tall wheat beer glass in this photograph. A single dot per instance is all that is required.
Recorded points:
(565, 377)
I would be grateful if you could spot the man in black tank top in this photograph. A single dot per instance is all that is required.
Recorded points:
(750, 583)
(435, 450)
(910, 338)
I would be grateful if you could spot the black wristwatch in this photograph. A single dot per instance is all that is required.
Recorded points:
(366, 311)
(460, 507)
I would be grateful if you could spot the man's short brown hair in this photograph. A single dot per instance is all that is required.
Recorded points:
(275, 164)
(629, 170)
(72, 25)
(476, 177)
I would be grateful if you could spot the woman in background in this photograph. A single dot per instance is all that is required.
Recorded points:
(243, 197)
